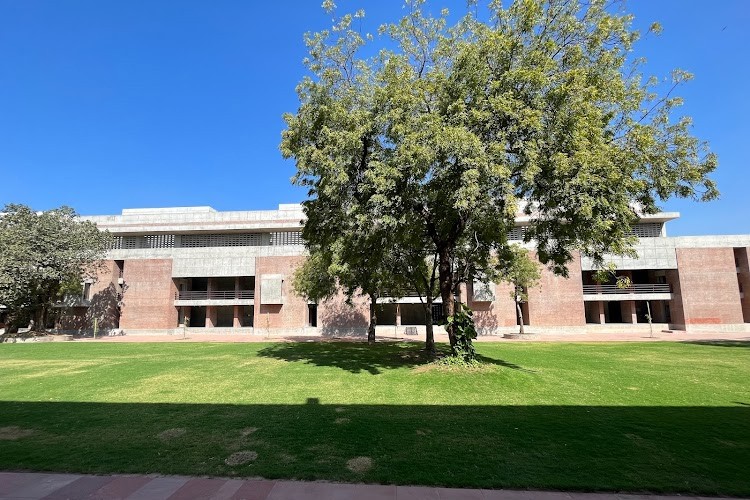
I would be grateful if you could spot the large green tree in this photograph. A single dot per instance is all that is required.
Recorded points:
(43, 255)
(539, 108)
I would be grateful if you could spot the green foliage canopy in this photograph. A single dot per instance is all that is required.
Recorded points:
(43, 255)
(452, 131)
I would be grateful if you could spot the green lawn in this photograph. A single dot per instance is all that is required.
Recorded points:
(660, 417)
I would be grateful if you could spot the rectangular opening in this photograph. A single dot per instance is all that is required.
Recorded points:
(412, 314)
(225, 316)
(246, 316)
(386, 314)
(198, 284)
(247, 282)
(224, 284)
(197, 317)
(119, 268)
(312, 315)
(614, 312)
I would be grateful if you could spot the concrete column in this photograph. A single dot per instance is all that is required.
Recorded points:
(236, 286)
(210, 310)
(602, 315)
(398, 314)
(237, 316)
(628, 312)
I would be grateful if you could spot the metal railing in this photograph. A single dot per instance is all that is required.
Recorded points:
(214, 295)
(634, 288)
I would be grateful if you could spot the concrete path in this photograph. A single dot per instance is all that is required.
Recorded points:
(638, 336)
(28, 486)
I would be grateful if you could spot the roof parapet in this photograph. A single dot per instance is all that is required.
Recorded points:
(167, 210)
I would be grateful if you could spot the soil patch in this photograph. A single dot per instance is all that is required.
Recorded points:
(241, 457)
(14, 432)
(359, 465)
(171, 434)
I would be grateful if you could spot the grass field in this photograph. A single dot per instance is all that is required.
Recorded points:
(659, 417)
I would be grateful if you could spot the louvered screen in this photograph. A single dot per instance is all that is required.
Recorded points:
(286, 238)
(646, 230)
(221, 240)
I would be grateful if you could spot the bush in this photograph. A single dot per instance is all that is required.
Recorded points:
(464, 331)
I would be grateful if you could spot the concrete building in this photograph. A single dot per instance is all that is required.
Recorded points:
(198, 268)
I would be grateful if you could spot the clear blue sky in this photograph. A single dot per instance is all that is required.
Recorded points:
(111, 105)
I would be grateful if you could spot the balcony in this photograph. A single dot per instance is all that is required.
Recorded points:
(214, 297)
(636, 291)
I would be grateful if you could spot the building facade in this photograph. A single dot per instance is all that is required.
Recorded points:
(205, 270)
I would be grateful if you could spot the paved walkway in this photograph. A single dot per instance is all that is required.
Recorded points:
(642, 336)
(27, 486)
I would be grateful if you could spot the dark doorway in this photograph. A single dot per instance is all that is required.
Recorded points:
(312, 315)
(225, 316)
(386, 314)
(641, 310)
(197, 317)
(615, 312)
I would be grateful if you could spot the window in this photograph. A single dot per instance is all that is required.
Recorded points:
(86, 291)
(437, 313)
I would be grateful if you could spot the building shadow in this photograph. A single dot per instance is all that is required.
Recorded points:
(719, 343)
(696, 450)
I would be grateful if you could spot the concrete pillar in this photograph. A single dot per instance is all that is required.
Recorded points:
(237, 316)
(602, 315)
(628, 312)
(236, 288)
(398, 314)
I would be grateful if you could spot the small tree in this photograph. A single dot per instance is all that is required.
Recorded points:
(608, 273)
(43, 255)
(522, 272)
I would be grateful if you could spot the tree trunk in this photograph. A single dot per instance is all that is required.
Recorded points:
(373, 319)
(40, 318)
(520, 315)
(430, 335)
(445, 276)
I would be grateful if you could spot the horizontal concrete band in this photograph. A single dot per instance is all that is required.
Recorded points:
(215, 302)
(609, 297)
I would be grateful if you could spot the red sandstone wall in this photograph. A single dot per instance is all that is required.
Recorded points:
(676, 310)
(336, 317)
(103, 303)
(500, 312)
(291, 314)
(148, 300)
(558, 301)
(708, 286)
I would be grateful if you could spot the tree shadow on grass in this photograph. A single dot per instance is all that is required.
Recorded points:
(356, 357)
(720, 343)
